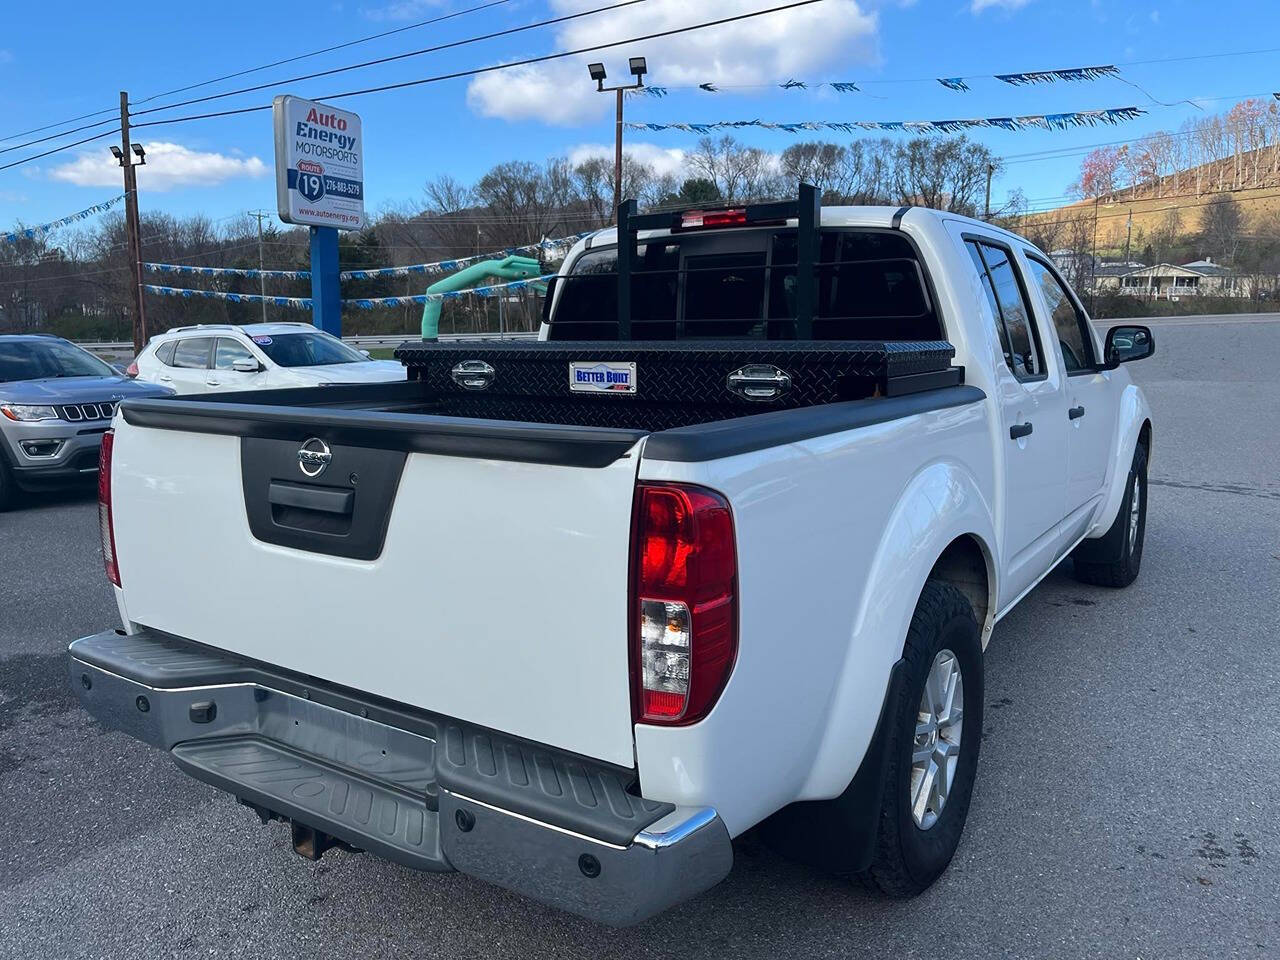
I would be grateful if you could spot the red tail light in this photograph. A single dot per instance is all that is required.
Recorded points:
(106, 526)
(693, 219)
(683, 602)
(131, 370)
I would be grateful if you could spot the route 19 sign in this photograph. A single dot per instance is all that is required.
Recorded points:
(319, 164)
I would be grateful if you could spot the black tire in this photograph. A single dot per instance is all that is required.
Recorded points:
(908, 857)
(1114, 559)
(8, 489)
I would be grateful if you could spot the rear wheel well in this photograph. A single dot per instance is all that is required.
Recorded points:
(966, 566)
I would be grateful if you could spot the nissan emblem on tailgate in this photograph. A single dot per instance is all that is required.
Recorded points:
(313, 457)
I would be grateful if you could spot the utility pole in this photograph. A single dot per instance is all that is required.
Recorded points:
(262, 279)
(991, 170)
(133, 233)
(639, 67)
(1128, 237)
(1093, 262)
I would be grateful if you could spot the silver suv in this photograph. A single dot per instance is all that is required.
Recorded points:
(56, 402)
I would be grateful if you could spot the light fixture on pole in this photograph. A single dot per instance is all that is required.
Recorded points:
(639, 67)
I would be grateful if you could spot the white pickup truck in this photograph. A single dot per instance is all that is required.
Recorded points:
(724, 549)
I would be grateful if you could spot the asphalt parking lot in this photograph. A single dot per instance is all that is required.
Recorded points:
(1127, 801)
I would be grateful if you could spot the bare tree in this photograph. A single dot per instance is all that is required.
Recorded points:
(1221, 225)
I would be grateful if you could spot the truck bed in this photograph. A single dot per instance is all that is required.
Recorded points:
(371, 571)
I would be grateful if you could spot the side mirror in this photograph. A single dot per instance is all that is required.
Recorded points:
(1127, 343)
(246, 366)
(365, 354)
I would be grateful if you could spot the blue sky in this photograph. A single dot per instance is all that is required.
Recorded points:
(62, 58)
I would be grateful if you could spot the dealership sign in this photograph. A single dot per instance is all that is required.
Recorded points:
(319, 164)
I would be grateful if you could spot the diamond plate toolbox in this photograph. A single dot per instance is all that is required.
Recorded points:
(659, 384)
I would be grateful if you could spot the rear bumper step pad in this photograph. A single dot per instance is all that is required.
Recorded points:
(422, 790)
(366, 813)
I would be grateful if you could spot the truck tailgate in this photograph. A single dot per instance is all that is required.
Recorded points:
(498, 595)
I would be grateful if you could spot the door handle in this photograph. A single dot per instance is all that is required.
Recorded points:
(167, 379)
(1020, 430)
(213, 383)
(1075, 413)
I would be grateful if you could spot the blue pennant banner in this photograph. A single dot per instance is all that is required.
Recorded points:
(1074, 74)
(1050, 121)
(959, 84)
(228, 271)
(493, 290)
(449, 266)
(31, 232)
(301, 303)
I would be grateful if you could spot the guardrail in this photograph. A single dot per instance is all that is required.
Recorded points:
(360, 343)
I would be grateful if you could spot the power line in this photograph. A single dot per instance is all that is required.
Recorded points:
(316, 53)
(493, 68)
(84, 116)
(65, 146)
(266, 66)
(56, 136)
(399, 56)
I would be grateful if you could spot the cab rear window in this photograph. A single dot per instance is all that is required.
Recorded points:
(871, 286)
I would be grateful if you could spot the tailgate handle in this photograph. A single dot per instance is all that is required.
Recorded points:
(320, 499)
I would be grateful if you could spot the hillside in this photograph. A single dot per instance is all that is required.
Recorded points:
(1260, 207)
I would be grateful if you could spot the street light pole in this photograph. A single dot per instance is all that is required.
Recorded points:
(617, 156)
(639, 67)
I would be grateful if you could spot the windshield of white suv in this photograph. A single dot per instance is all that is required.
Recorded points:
(41, 359)
(306, 350)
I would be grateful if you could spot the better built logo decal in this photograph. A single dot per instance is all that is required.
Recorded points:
(602, 377)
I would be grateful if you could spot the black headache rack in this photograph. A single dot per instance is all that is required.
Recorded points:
(806, 210)
(662, 374)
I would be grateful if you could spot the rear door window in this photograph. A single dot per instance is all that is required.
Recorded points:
(1023, 343)
(192, 353)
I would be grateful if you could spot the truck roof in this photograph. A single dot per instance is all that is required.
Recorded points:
(833, 216)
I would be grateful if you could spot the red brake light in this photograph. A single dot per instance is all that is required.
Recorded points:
(131, 370)
(692, 219)
(106, 525)
(684, 602)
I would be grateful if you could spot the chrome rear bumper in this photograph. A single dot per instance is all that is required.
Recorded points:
(424, 791)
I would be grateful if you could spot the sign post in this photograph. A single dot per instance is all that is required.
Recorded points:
(320, 184)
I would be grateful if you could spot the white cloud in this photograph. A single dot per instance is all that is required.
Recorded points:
(663, 160)
(977, 6)
(168, 165)
(764, 49)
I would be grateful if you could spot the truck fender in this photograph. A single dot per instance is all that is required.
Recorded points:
(1133, 415)
(940, 504)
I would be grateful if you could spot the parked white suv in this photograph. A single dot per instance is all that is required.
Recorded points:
(256, 356)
